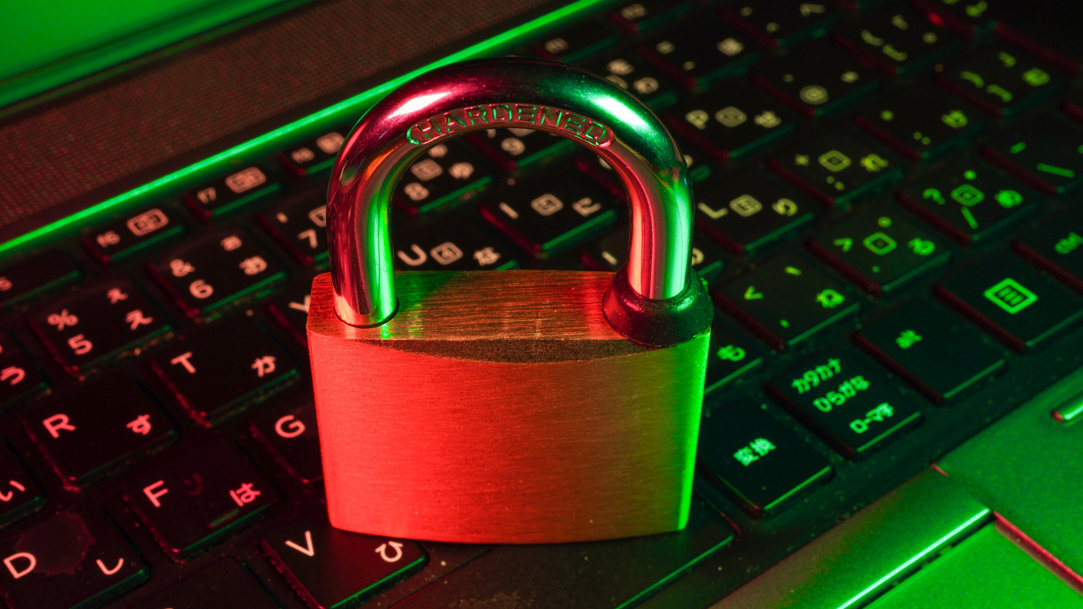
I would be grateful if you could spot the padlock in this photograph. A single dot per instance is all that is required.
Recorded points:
(518, 406)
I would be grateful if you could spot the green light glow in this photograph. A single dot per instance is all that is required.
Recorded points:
(284, 133)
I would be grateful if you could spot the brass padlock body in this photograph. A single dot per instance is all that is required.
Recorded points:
(572, 431)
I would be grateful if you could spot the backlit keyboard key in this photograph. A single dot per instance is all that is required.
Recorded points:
(132, 234)
(969, 18)
(646, 14)
(300, 225)
(107, 424)
(920, 123)
(783, 22)
(750, 212)
(197, 499)
(610, 253)
(732, 354)
(699, 55)
(1055, 246)
(289, 432)
(1011, 300)
(999, 79)
(764, 465)
(212, 382)
(237, 190)
(1045, 151)
(35, 275)
(835, 168)
(19, 494)
(816, 78)
(896, 39)
(848, 400)
(20, 377)
(73, 559)
(632, 73)
(458, 241)
(315, 155)
(514, 149)
(332, 568)
(100, 323)
(786, 300)
(289, 308)
(574, 43)
(733, 123)
(937, 352)
(445, 175)
(224, 584)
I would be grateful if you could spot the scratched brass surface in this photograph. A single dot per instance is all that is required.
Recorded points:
(432, 427)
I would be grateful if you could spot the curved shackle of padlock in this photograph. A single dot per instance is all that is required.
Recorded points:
(657, 299)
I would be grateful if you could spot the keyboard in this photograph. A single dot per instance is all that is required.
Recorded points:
(884, 220)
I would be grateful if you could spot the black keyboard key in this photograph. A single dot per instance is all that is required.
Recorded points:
(235, 191)
(20, 377)
(731, 124)
(217, 271)
(610, 253)
(578, 41)
(335, 569)
(106, 425)
(212, 382)
(197, 499)
(1012, 301)
(999, 79)
(289, 309)
(314, 156)
(98, 324)
(731, 356)
(848, 400)
(35, 275)
(1046, 151)
(223, 585)
(750, 212)
(970, 200)
(817, 78)
(300, 225)
(967, 17)
(514, 148)
(289, 432)
(921, 123)
(783, 22)
(69, 560)
(937, 352)
(19, 493)
(132, 234)
(1055, 246)
(696, 55)
(786, 300)
(553, 213)
(896, 39)
(879, 251)
(629, 71)
(445, 174)
(647, 14)
(457, 241)
(764, 465)
(835, 168)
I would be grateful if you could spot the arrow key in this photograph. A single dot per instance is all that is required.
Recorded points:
(332, 568)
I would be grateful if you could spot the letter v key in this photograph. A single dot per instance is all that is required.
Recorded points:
(309, 549)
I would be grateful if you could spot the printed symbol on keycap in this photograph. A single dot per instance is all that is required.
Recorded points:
(586, 206)
(767, 119)
(108, 238)
(1036, 77)
(784, 207)
(746, 205)
(15, 486)
(849, 76)
(1011, 296)
(62, 320)
(253, 266)
(231, 243)
(814, 376)
(556, 45)
(921, 247)
(731, 353)
(697, 118)
(426, 170)
(934, 195)
(1008, 198)
(873, 163)
(140, 425)
(446, 253)
(115, 295)
(1068, 244)
(12, 375)
(829, 299)
(967, 195)
(302, 155)
(879, 243)
(955, 119)
(330, 143)
(136, 318)
(245, 179)
(207, 195)
(390, 551)
(833, 160)
(730, 47)
(757, 448)
(813, 95)
(318, 216)
(546, 205)
(907, 338)
(264, 365)
(486, 256)
(246, 493)
(730, 116)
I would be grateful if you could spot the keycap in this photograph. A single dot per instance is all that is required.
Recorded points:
(108, 424)
(99, 324)
(632, 73)
(72, 559)
(551, 213)
(939, 353)
(34, 275)
(132, 234)
(459, 240)
(444, 175)
(514, 148)
(224, 584)
(289, 309)
(577, 576)
(212, 382)
(697, 55)
(970, 200)
(731, 355)
(1055, 246)
(781, 23)
(238, 190)
(300, 226)
(610, 253)
(785, 300)
(816, 78)
(879, 250)
(289, 432)
(647, 14)
(20, 377)
(999, 79)
(217, 271)
(580, 40)
(731, 124)
(967, 17)
(896, 39)
(1045, 151)
(750, 212)
(19, 493)
(921, 123)
(835, 168)
(763, 464)
(848, 400)
(313, 156)
(198, 498)
(327, 567)
(1011, 300)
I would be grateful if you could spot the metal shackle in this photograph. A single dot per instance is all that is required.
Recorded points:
(657, 283)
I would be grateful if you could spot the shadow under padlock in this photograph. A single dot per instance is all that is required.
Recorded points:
(510, 406)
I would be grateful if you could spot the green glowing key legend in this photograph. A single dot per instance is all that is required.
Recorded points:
(1011, 296)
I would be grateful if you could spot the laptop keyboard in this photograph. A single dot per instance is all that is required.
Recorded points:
(882, 221)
